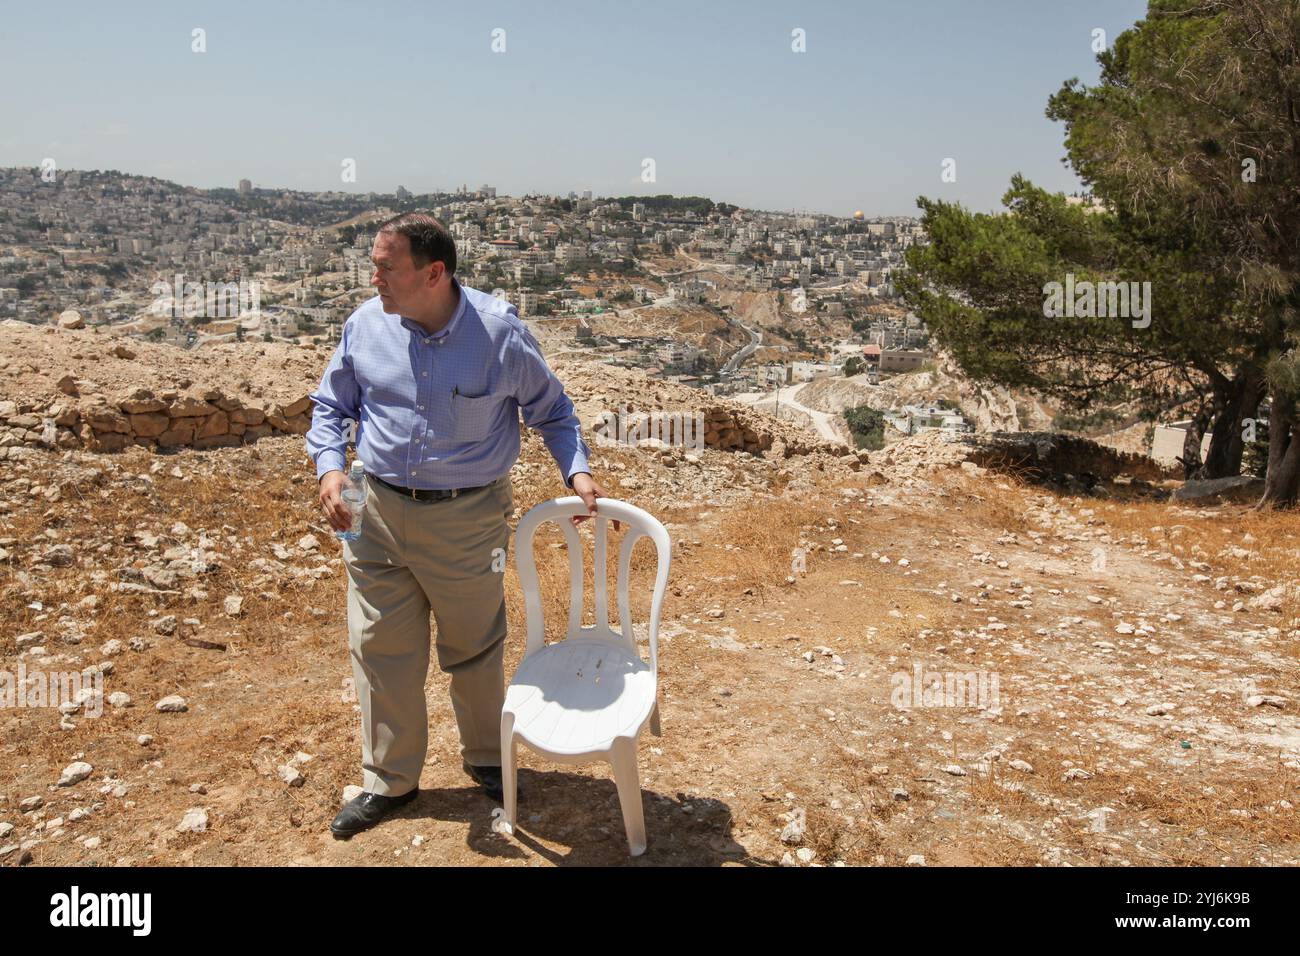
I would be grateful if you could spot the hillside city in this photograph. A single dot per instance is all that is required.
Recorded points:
(98, 242)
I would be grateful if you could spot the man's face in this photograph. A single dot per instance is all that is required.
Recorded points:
(403, 288)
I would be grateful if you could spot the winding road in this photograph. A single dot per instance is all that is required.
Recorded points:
(823, 422)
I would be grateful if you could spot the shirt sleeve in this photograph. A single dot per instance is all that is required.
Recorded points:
(337, 398)
(545, 406)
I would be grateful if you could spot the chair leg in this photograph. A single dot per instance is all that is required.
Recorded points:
(623, 759)
(509, 789)
(654, 721)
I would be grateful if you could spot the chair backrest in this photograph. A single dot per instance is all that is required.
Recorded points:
(639, 524)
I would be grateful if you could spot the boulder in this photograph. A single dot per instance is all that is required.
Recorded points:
(181, 433)
(303, 404)
(105, 418)
(140, 401)
(65, 416)
(215, 424)
(149, 424)
(1217, 489)
(275, 418)
(188, 406)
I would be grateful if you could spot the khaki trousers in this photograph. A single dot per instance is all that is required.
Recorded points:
(413, 557)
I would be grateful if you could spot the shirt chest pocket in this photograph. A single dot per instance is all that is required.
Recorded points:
(472, 418)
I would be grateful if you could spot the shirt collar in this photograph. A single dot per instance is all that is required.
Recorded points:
(446, 329)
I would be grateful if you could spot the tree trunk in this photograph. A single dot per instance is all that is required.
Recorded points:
(1239, 401)
(1282, 482)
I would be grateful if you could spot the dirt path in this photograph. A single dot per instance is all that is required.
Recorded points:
(825, 425)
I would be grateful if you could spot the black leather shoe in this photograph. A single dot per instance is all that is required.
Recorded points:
(367, 810)
(489, 778)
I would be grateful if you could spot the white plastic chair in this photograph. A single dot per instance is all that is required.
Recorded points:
(586, 697)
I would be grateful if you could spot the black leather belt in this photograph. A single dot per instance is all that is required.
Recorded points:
(424, 494)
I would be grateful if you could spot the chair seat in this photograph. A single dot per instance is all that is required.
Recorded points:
(576, 696)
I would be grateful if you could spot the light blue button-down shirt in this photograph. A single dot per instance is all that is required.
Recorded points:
(441, 410)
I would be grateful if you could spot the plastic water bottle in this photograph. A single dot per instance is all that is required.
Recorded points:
(354, 497)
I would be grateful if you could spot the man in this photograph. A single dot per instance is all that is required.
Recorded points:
(434, 374)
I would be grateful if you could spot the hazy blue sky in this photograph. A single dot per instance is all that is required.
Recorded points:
(583, 93)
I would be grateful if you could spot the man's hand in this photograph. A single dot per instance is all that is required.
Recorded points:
(331, 501)
(586, 488)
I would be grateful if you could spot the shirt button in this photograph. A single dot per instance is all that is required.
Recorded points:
(420, 407)
(412, 474)
(425, 374)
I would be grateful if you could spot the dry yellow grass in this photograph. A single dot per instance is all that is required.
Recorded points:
(1271, 538)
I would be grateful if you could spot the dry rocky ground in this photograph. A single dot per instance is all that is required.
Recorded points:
(1145, 656)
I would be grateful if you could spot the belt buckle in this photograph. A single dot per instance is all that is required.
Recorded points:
(414, 496)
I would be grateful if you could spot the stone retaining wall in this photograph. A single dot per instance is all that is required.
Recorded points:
(1054, 454)
(725, 429)
(207, 419)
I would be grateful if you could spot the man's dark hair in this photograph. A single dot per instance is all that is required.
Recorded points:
(430, 240)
